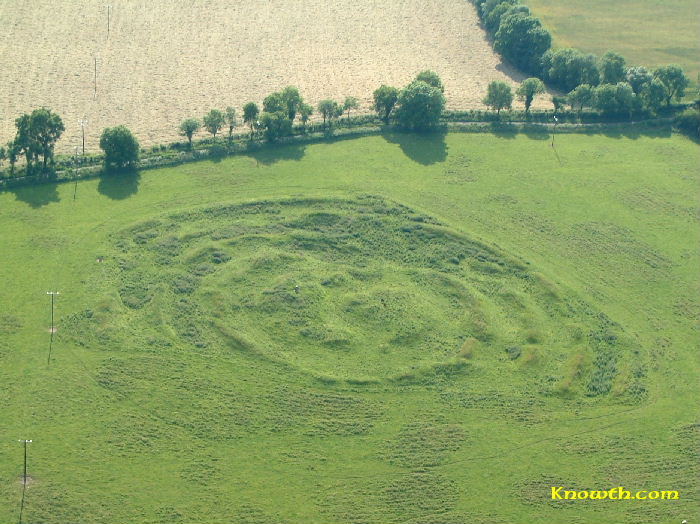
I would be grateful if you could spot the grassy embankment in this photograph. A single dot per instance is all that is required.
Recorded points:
(382, 329)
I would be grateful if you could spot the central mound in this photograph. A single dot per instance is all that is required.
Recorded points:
(358, 290)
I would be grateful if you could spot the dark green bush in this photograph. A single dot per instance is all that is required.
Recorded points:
(688, 123)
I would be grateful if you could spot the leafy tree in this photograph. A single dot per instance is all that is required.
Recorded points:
(305, 111)
(568, 68)
(485, 8)
(250, 115)
(673, 78)
(120, 147)
(188, 128)
(654, 94)
(12, 153)
(419, 105)
(528, 90)
(522, 40)
(499, 96)
(384, 101)
(612, 68)
(431, 78)
(350, 103)
(231, 120)
(292, 100)
(274, 103)
(638, 77)
(493, 20)
(615, 99)
(276, 125)
(37, 134)
(330, 110)
(582, 96)
(3, 154)
(214, 121)
(558, 102)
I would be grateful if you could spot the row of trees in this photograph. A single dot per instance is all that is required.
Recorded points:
(38, 132)
(416, 106)
(520, 38)
(279, 112)
(619, 98)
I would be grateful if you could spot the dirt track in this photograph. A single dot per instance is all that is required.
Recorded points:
(166, 60)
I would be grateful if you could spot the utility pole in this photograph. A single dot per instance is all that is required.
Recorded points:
(83, 123)
(109, 8)
(52, 293)
(24, 475)
(556, 121)
(24, 479)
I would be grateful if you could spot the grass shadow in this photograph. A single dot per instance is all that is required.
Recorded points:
(504, 130)
(272, 153)
(38, 195)
(534, 132)
(119, 185)
(423, 148)
(632, 131)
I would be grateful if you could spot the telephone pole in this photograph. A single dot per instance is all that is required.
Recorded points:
(83, 122)
(24, 474)
(52, 293)
(24, 479)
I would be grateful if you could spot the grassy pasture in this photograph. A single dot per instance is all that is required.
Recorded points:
(646, 32)
(387, 329)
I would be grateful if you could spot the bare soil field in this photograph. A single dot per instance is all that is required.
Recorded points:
(166, 60)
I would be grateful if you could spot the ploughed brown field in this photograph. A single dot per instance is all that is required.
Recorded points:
(167, 60)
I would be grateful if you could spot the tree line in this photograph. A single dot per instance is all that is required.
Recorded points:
(604, 83)
(417, 106)
(38, 132)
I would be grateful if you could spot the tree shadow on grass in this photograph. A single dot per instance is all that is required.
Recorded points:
(119, 185)
(534, 132)
(271, 153)
(425, 148)
(37, 195)
(504, 130)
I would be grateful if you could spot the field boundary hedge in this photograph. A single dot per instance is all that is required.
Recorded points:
(174, 155)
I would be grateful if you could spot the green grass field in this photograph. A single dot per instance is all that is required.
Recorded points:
(646, 32)
(394, 328)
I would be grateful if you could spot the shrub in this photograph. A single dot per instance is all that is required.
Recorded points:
(218, 150)
(688, 123)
